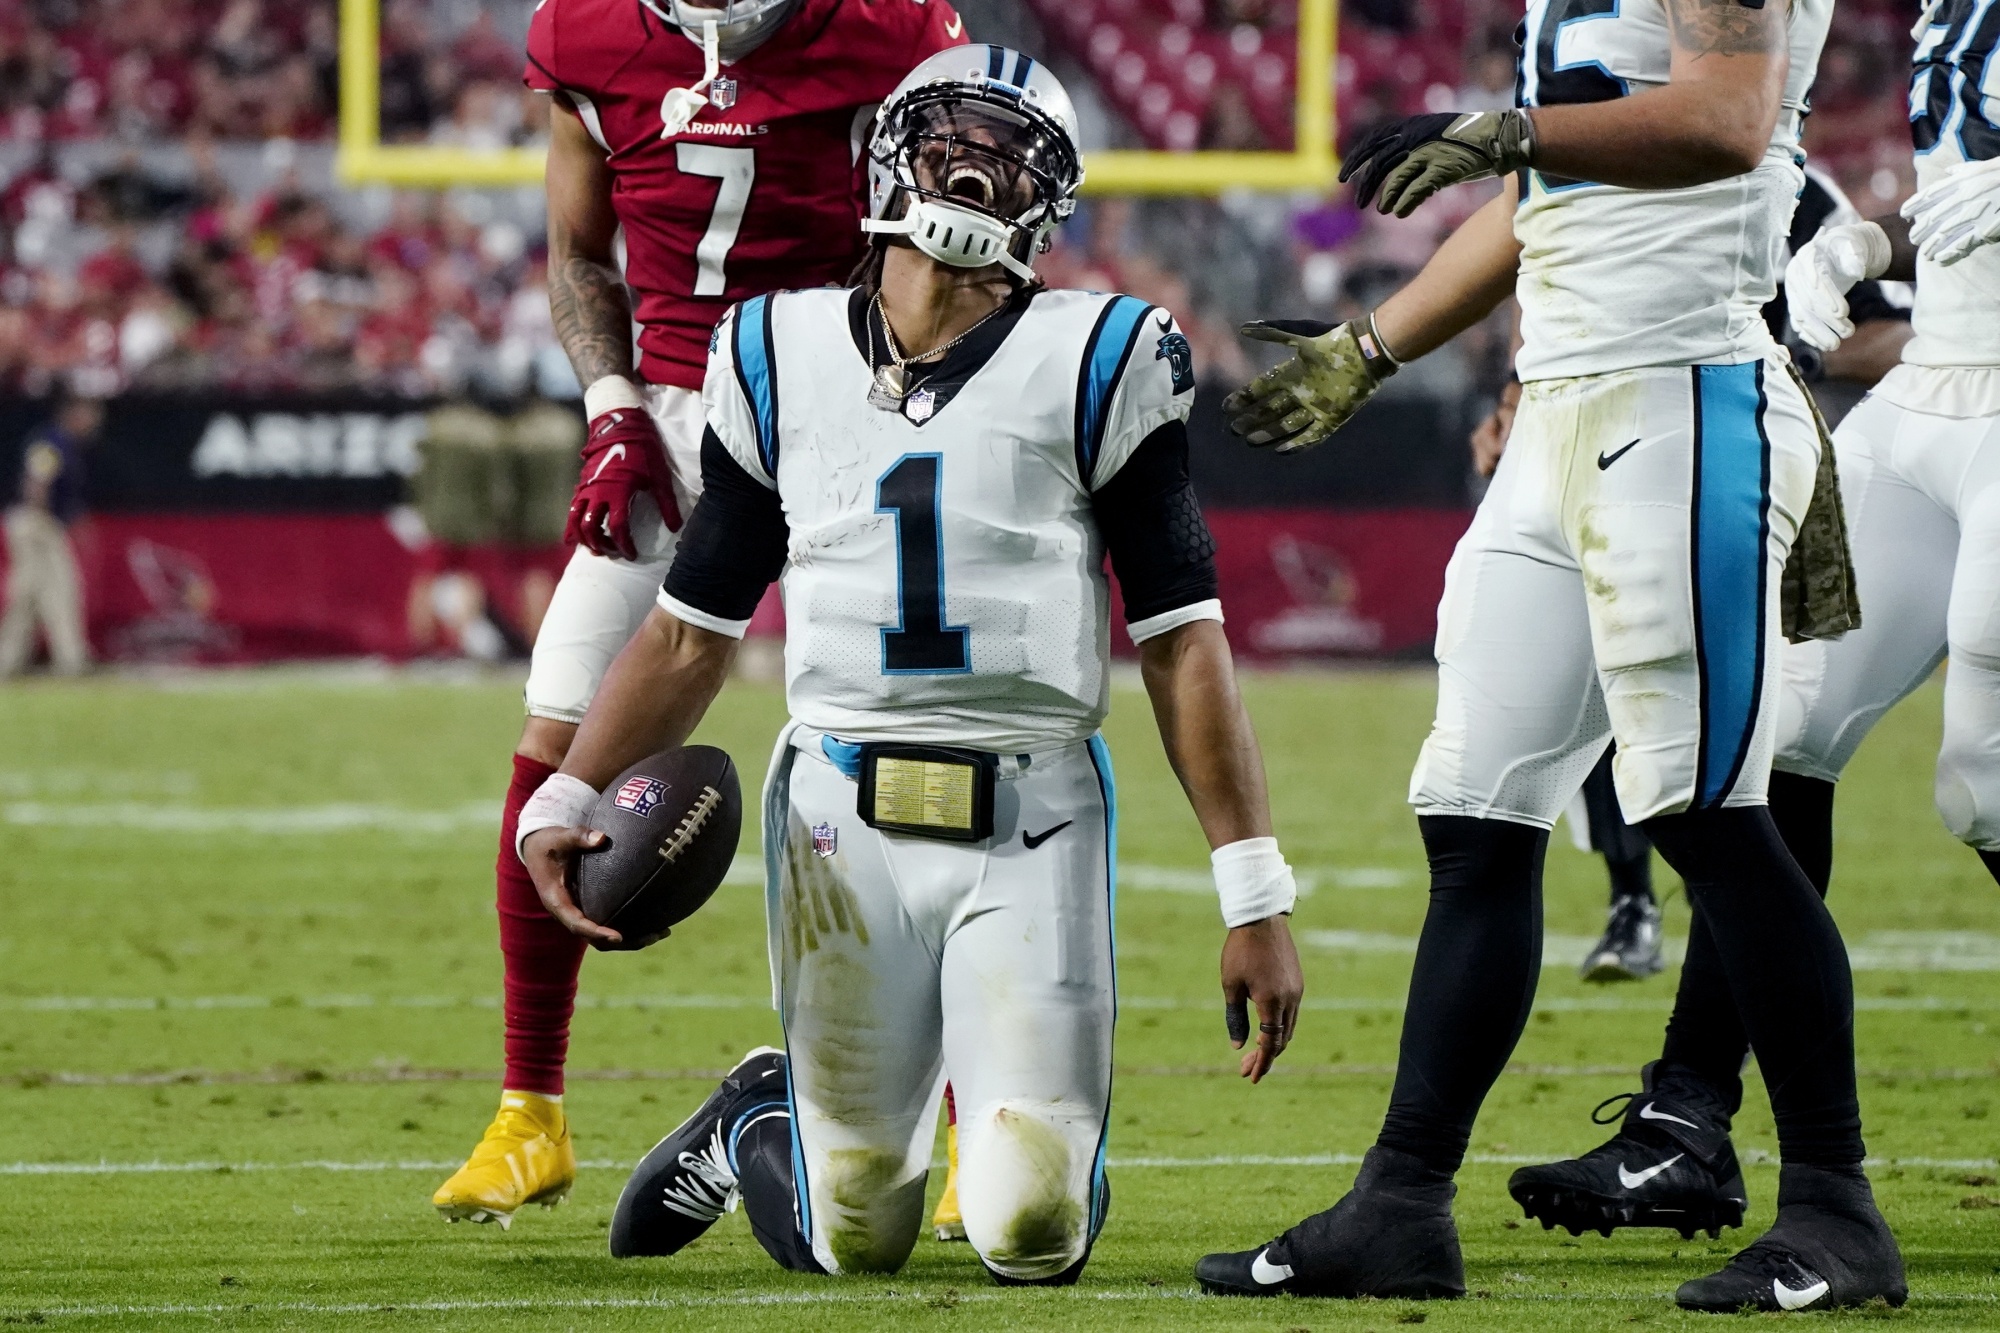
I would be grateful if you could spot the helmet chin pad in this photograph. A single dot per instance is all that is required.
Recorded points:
(959, 237)
(744, 25)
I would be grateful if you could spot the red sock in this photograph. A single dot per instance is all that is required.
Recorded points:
(542, 957)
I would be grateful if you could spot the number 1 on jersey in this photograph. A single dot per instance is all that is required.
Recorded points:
(736, 168)
(922, 645)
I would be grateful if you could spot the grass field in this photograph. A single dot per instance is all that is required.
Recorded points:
(248, 1020)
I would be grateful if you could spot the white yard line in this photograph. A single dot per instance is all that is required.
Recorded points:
(1750, 1157)
(286, 1076)
(1919, 1300)
(36, 1004)
(1877, 951)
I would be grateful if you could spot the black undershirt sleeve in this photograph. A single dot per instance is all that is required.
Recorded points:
(1160, 546)
(734, 543)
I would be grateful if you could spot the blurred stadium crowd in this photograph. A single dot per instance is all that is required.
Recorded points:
(168, 218)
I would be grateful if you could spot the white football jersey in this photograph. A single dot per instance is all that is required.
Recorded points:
(1615, 279)
(945, 580)
(1955, 117)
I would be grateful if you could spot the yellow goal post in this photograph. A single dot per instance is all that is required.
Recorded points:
(364, 159)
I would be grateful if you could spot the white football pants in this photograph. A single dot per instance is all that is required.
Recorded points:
(599, 602)
(1621, 579)
(1923, 510)
(898, 961)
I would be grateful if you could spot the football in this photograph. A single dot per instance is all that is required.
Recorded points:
(672, 819)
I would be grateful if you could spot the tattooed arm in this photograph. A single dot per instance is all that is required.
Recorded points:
(587, 298)
(1712, 120)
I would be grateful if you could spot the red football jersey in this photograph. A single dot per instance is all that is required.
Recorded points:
(762, 191)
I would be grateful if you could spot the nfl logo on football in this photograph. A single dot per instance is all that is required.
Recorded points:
(640, 795)
(722, 92)
(826, 840)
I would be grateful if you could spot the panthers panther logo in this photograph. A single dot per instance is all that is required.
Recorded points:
(1174, 350)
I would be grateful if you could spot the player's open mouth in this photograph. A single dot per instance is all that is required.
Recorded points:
(971, 183)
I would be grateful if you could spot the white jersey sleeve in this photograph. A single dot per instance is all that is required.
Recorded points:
(739, 393)
(1137, 374)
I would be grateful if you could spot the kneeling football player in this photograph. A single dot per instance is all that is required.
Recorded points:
(936, 461)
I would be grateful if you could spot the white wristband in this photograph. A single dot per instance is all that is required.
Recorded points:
(560, 802)
(1253, 881)
(612, 391)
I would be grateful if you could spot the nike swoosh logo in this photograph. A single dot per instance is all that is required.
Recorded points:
(1606, 460)
(1632, 1180)
(1035, 840)
(616, 451)
(955, 27)
(1797, 1300)
(1647, 1112)
(1166, 321)
(1267, 1274)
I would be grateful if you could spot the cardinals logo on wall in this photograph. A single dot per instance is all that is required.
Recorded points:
(181, 597)
(1321, 618)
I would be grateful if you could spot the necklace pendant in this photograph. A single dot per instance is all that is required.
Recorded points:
(890, 387)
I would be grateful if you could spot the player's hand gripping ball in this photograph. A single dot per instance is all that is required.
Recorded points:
(1300, 403)
(672, 820)
(1410, 160)
(623, 458)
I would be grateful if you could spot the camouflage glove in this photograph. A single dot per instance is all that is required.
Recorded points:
(1412, 159)
(1300, 403)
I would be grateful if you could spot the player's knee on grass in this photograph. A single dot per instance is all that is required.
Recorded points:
(1024, 1184)
(868, 1206)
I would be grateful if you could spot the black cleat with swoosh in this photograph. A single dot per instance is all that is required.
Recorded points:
(1828, 1248)
(1034, 840)
(1392, 1235)
(1605, 460)
(1671, 1164)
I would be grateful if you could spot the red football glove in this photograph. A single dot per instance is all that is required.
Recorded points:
(623, 459)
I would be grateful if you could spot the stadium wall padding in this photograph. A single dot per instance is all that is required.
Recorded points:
(237, 587)
(247, 530)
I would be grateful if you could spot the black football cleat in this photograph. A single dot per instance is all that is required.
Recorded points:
(1630, 949)
(1670, 1165)
(688, 1180)
(1391, 1236)
(1829, 1248)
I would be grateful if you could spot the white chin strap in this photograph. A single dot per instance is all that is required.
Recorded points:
(953, 235)
(681, 106)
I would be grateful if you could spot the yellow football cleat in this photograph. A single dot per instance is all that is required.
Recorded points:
(948, 1221)
(525, 1157)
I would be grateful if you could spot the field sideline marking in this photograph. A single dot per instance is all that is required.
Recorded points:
(925, 1295)
(287, 1077)
(1749, 1156)
(1561, 1004)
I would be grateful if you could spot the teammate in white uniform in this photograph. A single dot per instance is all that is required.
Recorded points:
(1920, 479)
(940, 818)
(1621, 580)
(1920, 459)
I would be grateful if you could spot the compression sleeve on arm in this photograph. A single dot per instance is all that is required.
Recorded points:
(1160, 546)
(731, 550)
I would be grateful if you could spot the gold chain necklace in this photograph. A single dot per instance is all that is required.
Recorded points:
(892, 382)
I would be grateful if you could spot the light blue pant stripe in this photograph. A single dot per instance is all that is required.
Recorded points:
(1100, 758)
(1732, 483)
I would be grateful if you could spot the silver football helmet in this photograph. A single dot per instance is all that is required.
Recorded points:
(974, 158)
